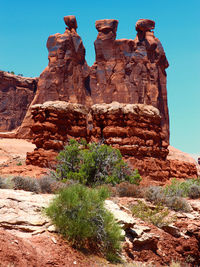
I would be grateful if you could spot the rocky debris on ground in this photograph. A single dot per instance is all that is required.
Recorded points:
(26, 230)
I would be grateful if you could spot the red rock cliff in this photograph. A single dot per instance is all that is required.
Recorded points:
(135, 129)
(130, 71)
(132, 128)
(16, 94)
(127, 71)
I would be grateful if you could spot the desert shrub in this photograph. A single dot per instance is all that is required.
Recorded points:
(46, 184)
(26, 184)
(155, 194)
(194, 191)
(126, 189)
(158, 215)
(94, 164)
(181, 189)
(2, 183)
(79, 215)
(6, 183)
(159, 195)
(177, 203)
(56, 186)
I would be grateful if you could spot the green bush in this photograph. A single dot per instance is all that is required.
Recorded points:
(157, 215)
(94, 164)
(79, 215)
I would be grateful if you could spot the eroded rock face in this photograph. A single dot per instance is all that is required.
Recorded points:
(65, 77)
(182, 164)
(54, 124)
(126, 71)
(130, 71)
(132, 128)
(16, 94)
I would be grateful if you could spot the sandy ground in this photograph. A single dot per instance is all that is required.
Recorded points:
(14, 149)
(13, 156)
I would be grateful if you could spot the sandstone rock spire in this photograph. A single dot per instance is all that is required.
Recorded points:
(126, 70)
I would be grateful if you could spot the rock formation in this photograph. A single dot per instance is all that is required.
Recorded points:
(182, 164)
(135, 129)
(127, 71)
(65, 77)
(130, 71)
(16, 94)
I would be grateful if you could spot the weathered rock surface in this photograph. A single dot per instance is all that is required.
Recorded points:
(54, 124)
(134, 129)
(16, 94)
(21, 212)
(130, 71)
(26, 234)
(160, 246)
(67, 74)
(26, 237)
(182, 165)
(127, 71)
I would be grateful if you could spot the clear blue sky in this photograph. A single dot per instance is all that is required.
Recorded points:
(26, 25)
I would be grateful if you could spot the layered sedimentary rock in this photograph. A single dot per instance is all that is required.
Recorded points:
(182, 164)
(16, 94)
(66, 76)
(127, 71)
(132, 128)
(135, 129)
(130, 71)
(54, 124)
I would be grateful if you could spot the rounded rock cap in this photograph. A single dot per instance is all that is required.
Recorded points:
(71, 22)
(144, 25)
(106, 24)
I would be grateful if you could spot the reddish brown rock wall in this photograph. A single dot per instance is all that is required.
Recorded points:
(130, 71)
(134, 129)
(16, 94)
(54, 124)
(127, 71)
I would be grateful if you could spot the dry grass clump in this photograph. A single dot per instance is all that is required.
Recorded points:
(126, 189)
(159, 195)
(194, 191)
(158, 215)
(26, 184)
